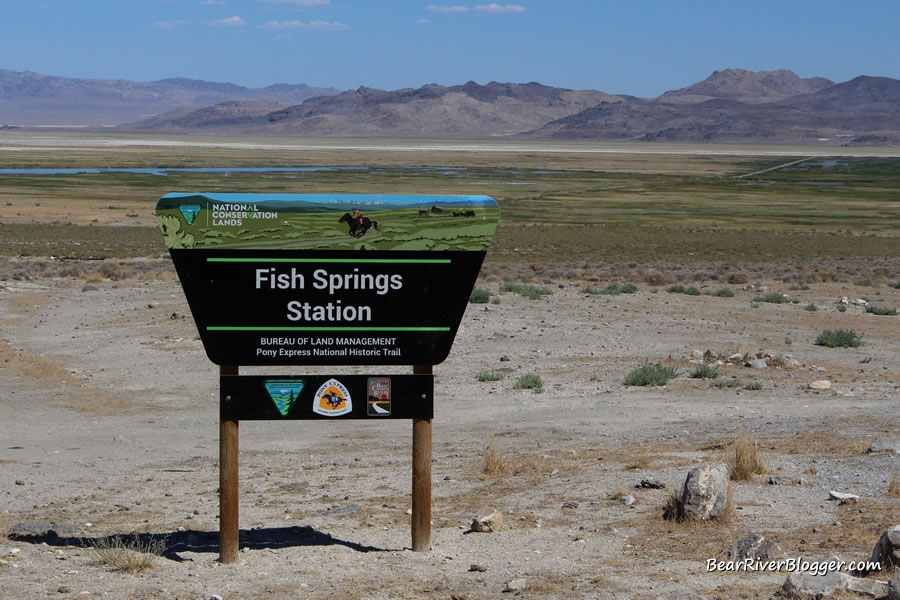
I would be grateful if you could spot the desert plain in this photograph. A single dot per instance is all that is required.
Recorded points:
(109, 406)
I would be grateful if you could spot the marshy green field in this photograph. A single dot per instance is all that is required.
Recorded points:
(571, 206)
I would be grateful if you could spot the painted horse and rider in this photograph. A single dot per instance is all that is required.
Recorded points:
(358, 223)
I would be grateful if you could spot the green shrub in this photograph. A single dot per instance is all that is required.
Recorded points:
(648, 374)
(723, 293)
(753, 386)
(628, 288)
(897, 286)
(839, 338)
(881, 310)
(675, 289)
(800, 288)
(528, 291)
(489, 375)
(479, 296)
(692, 291)
(842, 308)
(811, 307)
(773, 298)
(704, 372)
(530, 382)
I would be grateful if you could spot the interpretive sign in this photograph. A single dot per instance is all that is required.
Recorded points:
(301, 397)
(321, 279)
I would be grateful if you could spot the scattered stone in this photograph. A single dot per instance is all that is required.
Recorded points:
(894, 586)
(570, 504)
(64, 589)
(786, 362)
(627, 500)
(504, 358)
(776, 480)
(843, 498)
(736, 358)
(802, 585)
(757, 363)
(177, 315)
(753, 546)
(488, 520)
(19, 482)
(756, 285)
(822, 384)
(887, 550)
(860, 302)
(89, 288)
(697, 354)
(885, 444)
(705, 490)
(152, 304)
(651, 484)
(477, 568)
(516, 585)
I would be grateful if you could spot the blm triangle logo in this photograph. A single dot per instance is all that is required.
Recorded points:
(284, 393)
(189, 212)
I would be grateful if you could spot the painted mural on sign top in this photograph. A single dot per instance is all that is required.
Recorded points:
(327, 221)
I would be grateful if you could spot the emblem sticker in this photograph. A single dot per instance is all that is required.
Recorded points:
(379, 397)
(332, 399)
(284, 393)
(189, 212)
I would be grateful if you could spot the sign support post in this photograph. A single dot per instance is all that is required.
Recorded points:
(421, 477)
(228, 483)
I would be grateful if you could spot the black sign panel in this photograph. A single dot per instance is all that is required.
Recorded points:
(302, 397)
(261, 307)
(318, 279)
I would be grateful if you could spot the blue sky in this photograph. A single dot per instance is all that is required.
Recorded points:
(637, 47)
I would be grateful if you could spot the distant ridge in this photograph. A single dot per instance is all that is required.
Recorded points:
(747, 86)
(29, 99)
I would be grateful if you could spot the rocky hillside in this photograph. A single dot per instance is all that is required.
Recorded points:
(462, 111)
(747, 86)
(865, 110)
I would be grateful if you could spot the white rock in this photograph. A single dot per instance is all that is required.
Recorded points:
(822, 384)
(488, 520)
(843, 498)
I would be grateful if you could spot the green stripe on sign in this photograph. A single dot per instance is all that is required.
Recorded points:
(432, 261)
(254, 328)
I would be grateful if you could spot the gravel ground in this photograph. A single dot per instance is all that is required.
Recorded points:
(109, 427)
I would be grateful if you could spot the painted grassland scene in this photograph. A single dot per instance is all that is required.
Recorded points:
(327, 222)
(647, 316)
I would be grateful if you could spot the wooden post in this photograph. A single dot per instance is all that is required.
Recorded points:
(421, 477)
(228, 484)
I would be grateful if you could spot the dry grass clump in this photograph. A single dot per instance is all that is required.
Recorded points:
(893, 490)
(744, 459)
(127, 556)
(493, 462)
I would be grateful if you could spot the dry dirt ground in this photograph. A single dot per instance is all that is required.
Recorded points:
(109, 426)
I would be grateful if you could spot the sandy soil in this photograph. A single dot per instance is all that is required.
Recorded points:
(109, 426)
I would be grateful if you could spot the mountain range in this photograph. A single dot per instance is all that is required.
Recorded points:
(732, 105)
(32, 99)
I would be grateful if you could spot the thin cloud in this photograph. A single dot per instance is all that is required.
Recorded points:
(168, 24)
(423, 21)
(212, 2)
(438, 8)
(234, 21)
(322, 25)
(298, 2)
(496, 9)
